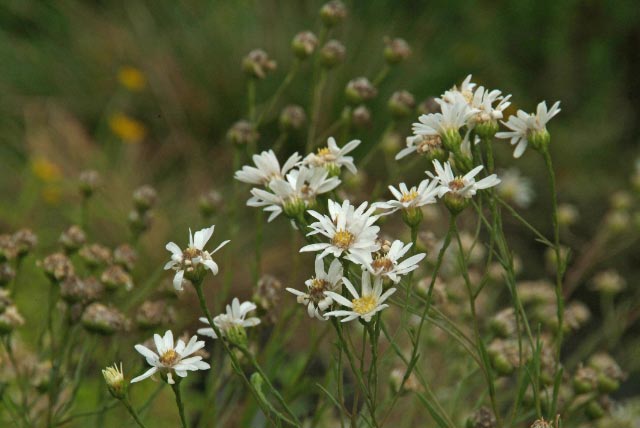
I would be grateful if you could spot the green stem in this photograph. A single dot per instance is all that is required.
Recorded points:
(179, 403)
(134, 414)
(382, 74)
(251, 99)
(276, 96)
(315, 109)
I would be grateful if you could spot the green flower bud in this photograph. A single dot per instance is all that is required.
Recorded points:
(360, 90)
(455, 203)
(304, 44)
(540, 139)
(333, 13)
(332, 54)
(401, 104)
(487, 129)
(295, 208)
(412, 216)
(114, 378)
(243, 132)
(396, 50)
(292, 118)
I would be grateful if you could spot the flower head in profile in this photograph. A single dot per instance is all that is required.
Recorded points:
(364, 305)
(407, 198)
(464, 186)
(422, 144)
(193, 262)
(489, 106)
(170, 358)
(267, 168)
(387, 264)
(350, 231)
(528, 128)
(295, 194)
(464, 92)
(446, 124)
(315, 298)
(233, 322)
(114, 378)
(333, 158)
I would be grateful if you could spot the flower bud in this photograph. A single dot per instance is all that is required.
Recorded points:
(104, 320)
(115, 277)
(503, 323)
(257, 64)
(292, 118)
(487, 129)
(210, 203)
(401, 104)
(540, 139)
(114, 378)
(428, 106)
(6, 274)
(361, 117)
(153, 314)
(8, 248)
(391, 142)
(332, 54)
(609, 282)
(410, 385)
(585, 380)
(95, 255)
(267, 296)
(10, 319)
(139, 221)
(451, 140)
(57, 267)
(76, 290)
(567, 214)
(455, 203)
(594, 410)
(304, 44)
(89, 181)
(360, 90)
(294, 208)
(144, 198)
(125, 256)
(333, 13)
(243, 132)
(482, 418)
(237, 335)
(396, 50)
(412, 216)
(72, 239)
(25, 241)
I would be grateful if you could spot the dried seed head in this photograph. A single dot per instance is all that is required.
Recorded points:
(361, 117)
(210, 203)
(541, 423)
(576, 315)
(95, 255)
(6, 274)
(396, 50)
(10, 319)
(115, 277)
(332, 54)
(25, 241)
(257, 64)
(88, 182)
(292, 118)
(77, 290)
(536, 292)
(152, 314)
(105, 320)
(144, 197)
(125, 256)
(360, 90)
(304, 44)
(401, 104)
(243, 132)
(72, 239)
(57, 267)
(333, 13)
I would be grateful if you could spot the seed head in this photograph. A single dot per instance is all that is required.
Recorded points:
(57, 267)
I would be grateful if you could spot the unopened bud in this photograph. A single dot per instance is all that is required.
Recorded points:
(57, 267)
(540, 139)
(333, 13)
(482, 418)
(304, 44)
(455, 202)
(396, 50)
(8, 248)
(152, 314)
(76, 290)
(361, 117)
(6, 274)
(101, 319)
(139, 221)
(503, 323)
(25, 241)
(401, 104)
(144, 197)
(114, 378)
(257, 64)
(89, 181)
(242, 133)
(95, 255)
(412, 216)
(292, 118)
(115, 277)
(609, 282)
(125, 256)
(332, 54)
(567, 214)
(72, 239)
(10, 319)
(210, 203)
(360, 90)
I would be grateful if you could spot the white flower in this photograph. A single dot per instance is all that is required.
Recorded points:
(171, 359)
(483, 101)
(349, 230)
(465, 92)
(364, 305)
(465, 186)
(333, 156)
(453, 117)
(235, 317)
(407, 198)
(387, 265)
(267, 168)
(193, 259)
(315, 298)
(300, 187)
(524, 124)
(514, 187)
(421, 144)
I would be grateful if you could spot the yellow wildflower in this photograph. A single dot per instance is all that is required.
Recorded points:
(127, 128)
(132, 78)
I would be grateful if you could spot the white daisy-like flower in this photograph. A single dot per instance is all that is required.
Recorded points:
(267, 168)
(514, 187)
(299, 190)
(315, 298)
(406, 198)
(421, 144)
(333, 157)
(194, 260)
(350, 231)
(388, 264)
(364, 305)
(465, 91)
(170, 358)
(464, 186)
(235, 317)
(483, 101)
(524, 124)
(453, 117)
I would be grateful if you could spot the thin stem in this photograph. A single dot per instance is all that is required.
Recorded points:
(134, 414)
(176, 390)
(251, 99)
(276, 96)
(315, 109)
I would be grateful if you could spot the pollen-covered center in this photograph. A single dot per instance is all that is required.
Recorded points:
(364, 304)
(382, 264)
(169, 357)
(190, 253)
(317, 289)
(343, 239)
(456, 184)
(409, 196)
(429, 142)
(325, 154)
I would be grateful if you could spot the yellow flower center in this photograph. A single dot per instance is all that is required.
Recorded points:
(409, 196)
(428, 142)
(169, 357)
(323, 151)
(318, 287)
(364, 304)
(343, 239)
(456, 184)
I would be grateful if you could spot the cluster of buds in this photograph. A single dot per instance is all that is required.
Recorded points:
(144, 199)
(17, 245)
